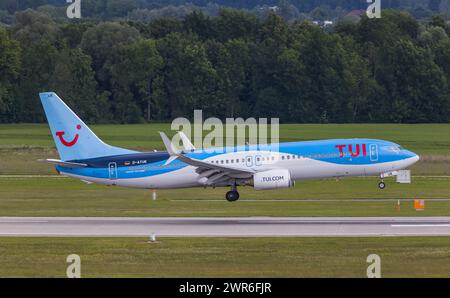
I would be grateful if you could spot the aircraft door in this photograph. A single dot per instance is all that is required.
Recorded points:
(373, 151)
(258, 160)
(248, 161)
(112, 169)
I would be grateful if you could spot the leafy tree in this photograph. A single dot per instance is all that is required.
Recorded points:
(189, 80)
(103, 43)
(117, 8)
(34, 27)
(417, 88)
(438, 21)
(288, 11)
(200, 24)
(34, 78)
(132, 80)
(9, 70)
(393, 69)
(73, 79)
(234, 24)
(442, 56)
(159, 28)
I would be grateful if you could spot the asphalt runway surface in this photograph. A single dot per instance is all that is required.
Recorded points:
(224, 226)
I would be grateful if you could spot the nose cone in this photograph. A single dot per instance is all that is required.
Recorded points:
(411, 157)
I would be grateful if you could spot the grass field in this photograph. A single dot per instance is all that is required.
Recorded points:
(69, 197)
(225, 257)
(22, 144)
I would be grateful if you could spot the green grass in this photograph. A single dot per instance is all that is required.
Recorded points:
(420, 138)
(22, 144)
(225, 257)
(70, 197)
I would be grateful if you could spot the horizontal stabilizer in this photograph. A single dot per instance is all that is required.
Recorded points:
(64, 163)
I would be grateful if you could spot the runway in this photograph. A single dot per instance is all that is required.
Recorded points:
(225, 226)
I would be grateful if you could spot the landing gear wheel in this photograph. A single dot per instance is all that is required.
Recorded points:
(232, 196)
(381, 185)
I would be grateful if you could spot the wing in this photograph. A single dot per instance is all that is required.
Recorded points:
(214, 174)
(209, 173)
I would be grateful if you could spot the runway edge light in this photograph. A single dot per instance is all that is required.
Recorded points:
(152, 238)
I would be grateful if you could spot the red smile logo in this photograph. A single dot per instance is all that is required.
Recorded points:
(66, 143)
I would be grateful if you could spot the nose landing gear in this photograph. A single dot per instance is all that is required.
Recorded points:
(381, 185)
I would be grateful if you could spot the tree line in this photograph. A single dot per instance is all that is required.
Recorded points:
(148, 10)
(392, 69)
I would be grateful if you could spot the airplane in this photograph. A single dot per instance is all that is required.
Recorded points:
(84, 156)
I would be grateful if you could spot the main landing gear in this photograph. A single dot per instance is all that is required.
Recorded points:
(381, 185)
(233, 194)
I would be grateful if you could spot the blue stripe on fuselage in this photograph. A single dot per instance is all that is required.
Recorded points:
(145, 164)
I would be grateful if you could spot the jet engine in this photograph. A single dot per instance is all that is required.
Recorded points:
(272, 179)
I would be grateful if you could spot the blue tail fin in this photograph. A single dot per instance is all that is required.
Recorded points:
(73, 139)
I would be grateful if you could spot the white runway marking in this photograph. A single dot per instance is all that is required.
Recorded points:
(425, 225)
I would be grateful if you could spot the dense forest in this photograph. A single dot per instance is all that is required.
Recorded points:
(151, 9)
(393, 69)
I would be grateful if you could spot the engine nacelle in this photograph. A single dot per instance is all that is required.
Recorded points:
(279, 178)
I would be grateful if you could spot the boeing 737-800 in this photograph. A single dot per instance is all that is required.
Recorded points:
(84, 156)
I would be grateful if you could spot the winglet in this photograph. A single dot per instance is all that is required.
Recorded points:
(187, 145)
(173, 152)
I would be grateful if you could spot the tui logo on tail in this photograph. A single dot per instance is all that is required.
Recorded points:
(60, 134)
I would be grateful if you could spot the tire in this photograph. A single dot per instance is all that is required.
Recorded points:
(382, 185)
(232, 196)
